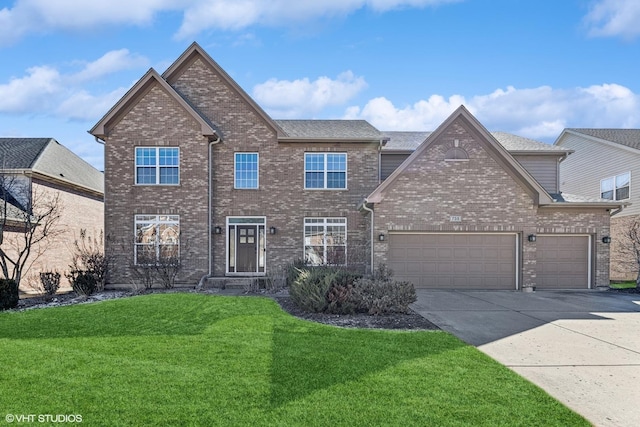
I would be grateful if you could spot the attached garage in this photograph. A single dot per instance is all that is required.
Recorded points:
(455, 260)
(563, 262)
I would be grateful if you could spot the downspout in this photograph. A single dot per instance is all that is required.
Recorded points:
(617, 211)
(210, 207)
(367, 208)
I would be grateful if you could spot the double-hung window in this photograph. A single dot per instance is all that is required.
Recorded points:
(157, 238)
(325, 171)
(615, 187)
(325, 241)
(246, 171)
(157, 165)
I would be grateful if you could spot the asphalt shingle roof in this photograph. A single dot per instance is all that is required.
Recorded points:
(20, 153)
(402, 141)
(409, 141)
(49, 157)
(628, 137)
(329, 129)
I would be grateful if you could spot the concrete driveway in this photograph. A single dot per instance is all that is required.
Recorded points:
(582, 347)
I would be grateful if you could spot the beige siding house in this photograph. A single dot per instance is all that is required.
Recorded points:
(606, 163)
(195, 166)
(46, 168)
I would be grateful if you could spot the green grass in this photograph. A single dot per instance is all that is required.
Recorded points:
(189, 359)
(623, 285)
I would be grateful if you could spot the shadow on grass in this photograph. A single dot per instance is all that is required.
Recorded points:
(309, 357)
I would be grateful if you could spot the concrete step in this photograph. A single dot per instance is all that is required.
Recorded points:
(245, 283)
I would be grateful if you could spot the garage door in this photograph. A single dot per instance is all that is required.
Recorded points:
(454, 261)
(562, 262)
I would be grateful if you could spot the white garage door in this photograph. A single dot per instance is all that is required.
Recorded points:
(562, 262)
(454, 261)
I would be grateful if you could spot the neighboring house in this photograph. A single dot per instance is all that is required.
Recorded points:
(606, 164)
(32, 168)
(194, 166)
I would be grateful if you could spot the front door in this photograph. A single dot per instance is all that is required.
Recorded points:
(246, 245)
(246, 248)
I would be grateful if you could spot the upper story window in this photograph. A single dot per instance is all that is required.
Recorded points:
(325, 171)
(246, 170)
(615, 187)
(157, 238)
(157, 165)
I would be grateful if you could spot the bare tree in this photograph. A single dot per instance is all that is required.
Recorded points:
(629, 245)
(28, 224)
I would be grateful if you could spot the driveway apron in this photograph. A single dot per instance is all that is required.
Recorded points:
(581, 347)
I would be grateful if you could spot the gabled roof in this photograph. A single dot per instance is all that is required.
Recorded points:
(626, 137)
(342, 130)
(101, 129)
(194, 51)
(49, 158)
(409, 141)
(496, 149)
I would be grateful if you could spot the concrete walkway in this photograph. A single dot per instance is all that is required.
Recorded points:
(582, 347)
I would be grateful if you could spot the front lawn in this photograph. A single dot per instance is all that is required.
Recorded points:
(623, 285)
(191, 359)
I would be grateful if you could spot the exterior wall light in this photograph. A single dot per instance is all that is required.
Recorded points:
(217, 230)
(272, 230)
(606, 239)
(531, 237)
(382, 237)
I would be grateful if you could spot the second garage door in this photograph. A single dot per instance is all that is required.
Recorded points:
(454, 261)
(562, 262)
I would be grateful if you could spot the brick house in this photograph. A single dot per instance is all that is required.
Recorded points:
(606, 164)
(194, 165)
(37, 168)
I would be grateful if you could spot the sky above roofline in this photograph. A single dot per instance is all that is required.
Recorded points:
(530, 68)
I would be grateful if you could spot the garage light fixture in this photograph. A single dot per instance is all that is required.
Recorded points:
(531, 237)
(606, 239)
(217, 230)
(272, 230)
(382, 237)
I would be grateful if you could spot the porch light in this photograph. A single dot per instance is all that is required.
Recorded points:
(382, 237)
(217, 230)
(606, 239)
(272, 230)
(531, 237)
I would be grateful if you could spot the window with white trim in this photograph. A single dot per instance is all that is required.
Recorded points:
(157, 238)
(157, 165)
(325, 241)
(246, 170)
(616, 187)
(325, 171)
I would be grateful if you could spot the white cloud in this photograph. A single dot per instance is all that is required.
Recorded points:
(610, 18)
(45, 90)
(238, 14)
(539, 113)
(30, 92)
(84, 106)
(111, 62)
(42, 16)
(285, 98)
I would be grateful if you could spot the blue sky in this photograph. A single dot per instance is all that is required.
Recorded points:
(529, 67)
